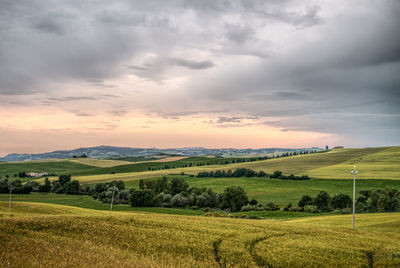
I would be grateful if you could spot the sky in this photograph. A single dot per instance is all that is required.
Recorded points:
(180, 73)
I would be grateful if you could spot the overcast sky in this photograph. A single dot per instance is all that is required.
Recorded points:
(275, 73)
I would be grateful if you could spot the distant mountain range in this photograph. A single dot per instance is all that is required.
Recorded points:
(106, 152)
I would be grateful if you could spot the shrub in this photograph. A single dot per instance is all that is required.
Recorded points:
(276, 174)
(305, 200)
(248, 208)
(179, 200)
(311, 209)
(261, 174)
(253, 202)
(288, 207)
(271, 207)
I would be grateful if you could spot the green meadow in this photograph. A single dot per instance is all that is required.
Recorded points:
(282, 192)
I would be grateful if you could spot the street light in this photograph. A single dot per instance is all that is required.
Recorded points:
(354, 172)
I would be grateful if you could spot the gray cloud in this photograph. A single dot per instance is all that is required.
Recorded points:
(191, 64)
(83, 114)
(72, 98)
(223, 119)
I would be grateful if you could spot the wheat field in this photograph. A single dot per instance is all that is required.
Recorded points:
(156, 240)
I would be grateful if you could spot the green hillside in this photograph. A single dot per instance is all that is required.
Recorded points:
(373, 163)
(84, 166)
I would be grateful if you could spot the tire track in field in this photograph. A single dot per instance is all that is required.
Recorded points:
(217, 255)
(261, 262)
(249, 246)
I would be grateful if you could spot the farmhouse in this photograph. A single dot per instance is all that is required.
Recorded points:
(37, 175)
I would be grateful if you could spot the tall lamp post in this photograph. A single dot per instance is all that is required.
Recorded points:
(354, 172)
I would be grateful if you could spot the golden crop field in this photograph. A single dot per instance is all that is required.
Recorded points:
(156, 240)
(377, 222)
(384, 164)
(31, 209)
(373, 163)
(99, 162)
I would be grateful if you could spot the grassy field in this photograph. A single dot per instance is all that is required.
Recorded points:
(282, 192)
(87, 202)
(156, 240)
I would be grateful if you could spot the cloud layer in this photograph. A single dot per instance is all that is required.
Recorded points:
(327, 67)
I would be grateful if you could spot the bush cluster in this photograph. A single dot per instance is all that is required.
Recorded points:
(104, 192)
(177, 193)
(279, 175)
(387, 200)
(323, 202)
(239, 172)
(17, 187)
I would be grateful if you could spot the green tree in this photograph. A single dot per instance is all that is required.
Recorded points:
(178, 185)
(234, 198)
(46, 187)
(142, 198)
(141, 184)
(72, 187)
(341, 201)
(63, 179)
(323, 201)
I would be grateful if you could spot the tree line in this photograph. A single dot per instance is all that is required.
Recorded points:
(386, 200)
(245, 172)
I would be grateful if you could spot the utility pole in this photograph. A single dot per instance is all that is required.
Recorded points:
(354, 172)
(112, 200)
(9, 202)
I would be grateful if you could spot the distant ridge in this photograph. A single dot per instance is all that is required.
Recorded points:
(112, 151)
